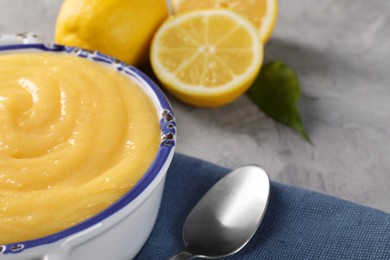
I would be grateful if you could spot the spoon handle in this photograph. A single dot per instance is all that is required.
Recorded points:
(181, 256)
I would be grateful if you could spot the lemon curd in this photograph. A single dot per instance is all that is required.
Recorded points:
(75, 136)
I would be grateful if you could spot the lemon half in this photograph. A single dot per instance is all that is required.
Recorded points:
(207, 58)
(262, 13)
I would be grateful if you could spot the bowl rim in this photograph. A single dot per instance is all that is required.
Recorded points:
(165, 149)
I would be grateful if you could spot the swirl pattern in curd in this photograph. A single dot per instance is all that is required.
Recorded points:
(75, 135)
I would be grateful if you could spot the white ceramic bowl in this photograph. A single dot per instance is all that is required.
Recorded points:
(119, 231)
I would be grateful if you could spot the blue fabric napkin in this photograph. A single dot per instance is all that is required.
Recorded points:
(298, 224)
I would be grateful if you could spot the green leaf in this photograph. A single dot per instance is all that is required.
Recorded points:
(276, 92)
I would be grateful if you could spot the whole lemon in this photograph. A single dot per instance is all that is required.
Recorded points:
(120, 28)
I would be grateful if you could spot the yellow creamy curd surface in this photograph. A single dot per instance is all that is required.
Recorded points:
(74, 136)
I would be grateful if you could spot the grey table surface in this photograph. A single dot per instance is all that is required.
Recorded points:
(340, 50)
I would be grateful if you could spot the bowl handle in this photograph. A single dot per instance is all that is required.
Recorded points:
(20, 38)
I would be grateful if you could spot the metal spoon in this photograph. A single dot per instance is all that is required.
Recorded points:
(227, 216)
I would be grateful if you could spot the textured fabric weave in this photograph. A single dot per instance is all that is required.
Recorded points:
(298, 224)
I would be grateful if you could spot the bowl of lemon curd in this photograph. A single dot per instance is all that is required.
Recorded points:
(85, 144)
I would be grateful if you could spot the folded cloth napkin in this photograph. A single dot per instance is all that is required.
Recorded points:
(298, 224)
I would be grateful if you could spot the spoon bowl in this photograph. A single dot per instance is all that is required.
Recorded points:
(227, 216)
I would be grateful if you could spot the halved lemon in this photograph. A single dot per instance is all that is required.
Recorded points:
(262, 13)
(207, 58)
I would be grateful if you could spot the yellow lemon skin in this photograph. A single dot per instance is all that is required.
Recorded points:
(211, 100)
(121, 29)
